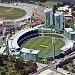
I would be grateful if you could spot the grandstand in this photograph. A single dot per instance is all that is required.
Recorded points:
(19, 38)
(68, 47)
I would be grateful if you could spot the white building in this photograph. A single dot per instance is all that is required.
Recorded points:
(58, 20)
(48, 16)
(67, 12)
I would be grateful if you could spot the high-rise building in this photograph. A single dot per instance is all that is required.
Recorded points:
(48, 17)
(58, 20)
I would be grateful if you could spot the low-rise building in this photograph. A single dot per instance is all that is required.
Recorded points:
(69, 33)
(29, 54)
(67, 11)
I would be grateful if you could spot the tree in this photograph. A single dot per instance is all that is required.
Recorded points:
(19, 64)
(29, 62)
(32, 65)
(3, 73)
(64, 3)
(73, 13)
(1, 61)
(20, 59)
(54, 8)
(73, 70)
(25, 71)
(65, 67)
(58, 4)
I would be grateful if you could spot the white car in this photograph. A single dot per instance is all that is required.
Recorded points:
(15, 3)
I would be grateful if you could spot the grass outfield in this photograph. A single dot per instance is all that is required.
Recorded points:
(48, 4)
(35, 43)
(11, 13)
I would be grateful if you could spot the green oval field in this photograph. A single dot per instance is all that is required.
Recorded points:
(11, 13)
(44, 44)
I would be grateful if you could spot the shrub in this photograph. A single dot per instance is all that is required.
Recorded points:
(72, 70)
(65, 67)
(73, 14)
(43, 61)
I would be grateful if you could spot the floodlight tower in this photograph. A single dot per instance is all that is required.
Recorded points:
(53, 43)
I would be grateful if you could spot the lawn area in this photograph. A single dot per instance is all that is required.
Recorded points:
(49, 4)
(44, 44)
(54, 35)
(11, 13)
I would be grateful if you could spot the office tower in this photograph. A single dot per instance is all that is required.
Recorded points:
(58, 20)
(48, 17)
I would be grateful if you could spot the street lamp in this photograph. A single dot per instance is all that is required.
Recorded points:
(53, 43)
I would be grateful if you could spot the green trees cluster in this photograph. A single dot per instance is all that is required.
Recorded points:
(25, 68)
(19, 64)
(73, 70)
(43, 61)
(73, 13)
(65, 67)
(1, 61)
(30, 67)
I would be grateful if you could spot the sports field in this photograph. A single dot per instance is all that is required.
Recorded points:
(11, 13)
(44, 44)
(47, 4)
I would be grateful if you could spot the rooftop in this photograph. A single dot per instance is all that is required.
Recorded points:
(68, 29)
(64, 8)
(35, 52)
(48, 9)
(58, 13)
(25, 50)
(31, 51)
(72, 32)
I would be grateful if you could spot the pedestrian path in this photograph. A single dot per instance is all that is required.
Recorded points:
(9, 9)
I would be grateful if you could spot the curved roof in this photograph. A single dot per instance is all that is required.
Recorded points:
(13, 40)
(68, 45)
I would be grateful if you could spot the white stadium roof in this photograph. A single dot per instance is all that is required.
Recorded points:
(72, 32)
(13, 40)
(68, 45)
